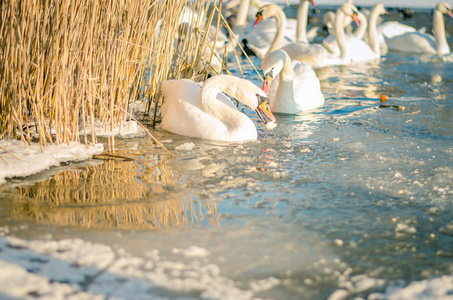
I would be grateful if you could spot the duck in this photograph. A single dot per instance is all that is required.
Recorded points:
(422, 43)
(205, 112)
(292, 87)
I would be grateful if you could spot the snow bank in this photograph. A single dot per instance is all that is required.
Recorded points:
(76, 269)
(26, 163)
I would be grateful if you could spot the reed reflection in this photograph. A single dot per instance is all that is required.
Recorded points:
(119, 193)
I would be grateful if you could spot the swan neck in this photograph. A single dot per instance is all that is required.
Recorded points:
(285, 91)
(213, 107)
(442, 47)
(280, 19)
(372, 32)
(241, 18)
(302, 16)
(361, 30)
(339, 33)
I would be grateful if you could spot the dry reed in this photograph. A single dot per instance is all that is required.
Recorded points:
(65, 64)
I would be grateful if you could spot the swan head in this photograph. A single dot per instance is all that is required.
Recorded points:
(380, 9)
(244, 91)
(351, 11)
(265, 12)
(264, 112)
(272, 66)
(329, 20)
(444, 8)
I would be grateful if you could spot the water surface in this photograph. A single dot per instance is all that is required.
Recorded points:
(350, 199)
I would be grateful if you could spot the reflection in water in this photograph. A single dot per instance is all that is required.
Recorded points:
(120, 193)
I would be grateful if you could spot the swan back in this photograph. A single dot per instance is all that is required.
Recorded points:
(421, 43)
(295, 89)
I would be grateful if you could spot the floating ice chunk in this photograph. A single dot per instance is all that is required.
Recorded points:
(339, 295)
(434, 288)
(17, 162)
(447, 229)
(186, 146)
(405, 228)
(192, 251)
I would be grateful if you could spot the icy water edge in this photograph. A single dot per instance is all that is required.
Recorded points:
(350, 200)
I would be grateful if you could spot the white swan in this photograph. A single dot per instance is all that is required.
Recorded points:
(391, 29)
(302, 18)
(357, 48)
(278, 38)
(420, 43)
(296, 89)
(330, 42)
(204, 112)
(318, 56)
(329, 21)
(265, 29)
(273, 29)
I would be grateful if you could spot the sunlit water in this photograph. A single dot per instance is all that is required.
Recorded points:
(353, 196)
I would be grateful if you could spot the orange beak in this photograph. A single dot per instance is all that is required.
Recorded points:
(450, 13)
(356, 19)
(267, 84)
(264, 113)
(313, 3)
(259, 18)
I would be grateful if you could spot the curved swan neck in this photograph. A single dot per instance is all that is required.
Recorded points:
(442, 47)
(209, 104)
(361, 30)
(280, 18)
(302, 16)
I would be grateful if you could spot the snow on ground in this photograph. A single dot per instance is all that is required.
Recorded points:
(18, 161)
(76, 269)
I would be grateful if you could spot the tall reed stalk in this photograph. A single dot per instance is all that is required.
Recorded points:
(65, 64)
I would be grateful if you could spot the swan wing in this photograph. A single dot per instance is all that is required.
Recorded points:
(181, 112)
(307, 88)
(412, 42)
(393, 28)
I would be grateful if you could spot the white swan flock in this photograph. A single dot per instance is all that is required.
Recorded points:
(289, 62)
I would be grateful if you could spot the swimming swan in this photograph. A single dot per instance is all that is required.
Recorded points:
(314, 54)
(421, 43)
(358, 49)
(204, 112)
(278, 36)
(296, 89)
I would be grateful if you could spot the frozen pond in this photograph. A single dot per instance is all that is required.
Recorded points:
(351, 200)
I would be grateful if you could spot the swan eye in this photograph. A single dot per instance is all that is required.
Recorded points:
(262, 100)
(270, 73)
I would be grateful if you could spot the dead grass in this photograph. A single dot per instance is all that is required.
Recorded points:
(65, 64)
